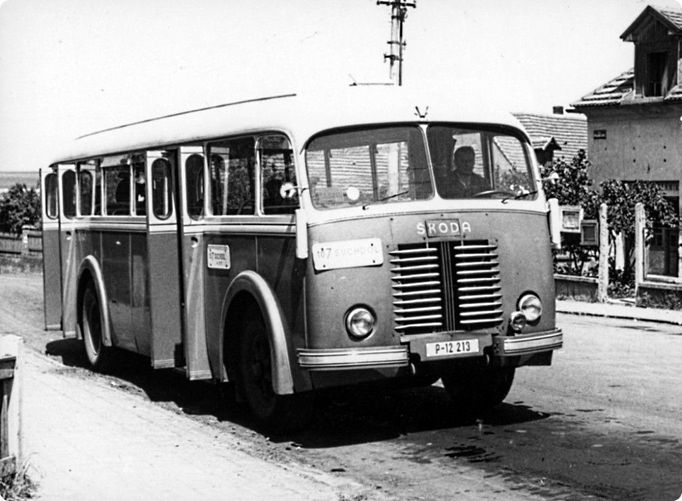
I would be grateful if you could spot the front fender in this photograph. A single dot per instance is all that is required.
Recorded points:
(278, 332)
(92, 267)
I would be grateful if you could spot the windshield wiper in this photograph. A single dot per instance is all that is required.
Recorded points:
(387, 198)
(519, 196)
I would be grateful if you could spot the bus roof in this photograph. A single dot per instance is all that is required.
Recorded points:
(300, 115)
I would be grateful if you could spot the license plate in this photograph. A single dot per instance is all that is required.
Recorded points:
(452, 348)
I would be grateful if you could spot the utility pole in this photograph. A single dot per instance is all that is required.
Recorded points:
(398, 15)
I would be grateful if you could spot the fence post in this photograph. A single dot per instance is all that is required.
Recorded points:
(603, 283)
(11, 389)
(640, 224)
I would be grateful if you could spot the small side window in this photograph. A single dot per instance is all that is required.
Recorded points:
(280, 195)
(69, 193)
(86, 190)
(161, 188)
(51, 199)
(194, 178)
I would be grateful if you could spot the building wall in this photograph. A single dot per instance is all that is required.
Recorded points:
(642, 142)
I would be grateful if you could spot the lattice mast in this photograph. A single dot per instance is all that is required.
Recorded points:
(396, 43)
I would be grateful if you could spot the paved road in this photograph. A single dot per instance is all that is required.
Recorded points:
(602, 423)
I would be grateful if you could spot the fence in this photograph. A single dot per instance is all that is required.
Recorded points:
(29, 243)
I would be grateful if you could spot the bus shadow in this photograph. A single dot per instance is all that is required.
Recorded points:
(361, 415)
(343, 416)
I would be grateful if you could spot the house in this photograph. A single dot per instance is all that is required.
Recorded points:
(634, 123)
(555, 136)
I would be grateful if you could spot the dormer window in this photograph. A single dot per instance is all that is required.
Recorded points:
(656, 74)
(656, 34)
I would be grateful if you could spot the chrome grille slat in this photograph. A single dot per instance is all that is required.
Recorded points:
(443, 286)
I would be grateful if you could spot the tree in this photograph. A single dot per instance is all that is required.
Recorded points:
(572, 186)
(19, 206)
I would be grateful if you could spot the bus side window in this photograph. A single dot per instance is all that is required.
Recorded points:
(51, 190)
(85, 190)
(232, 177)
(117, 190)
(69, 193)
(194, 180)
(280, 195)
(161, 188)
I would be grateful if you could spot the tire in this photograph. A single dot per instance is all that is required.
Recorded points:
(279, 413)
(96, 352)
(478, 389)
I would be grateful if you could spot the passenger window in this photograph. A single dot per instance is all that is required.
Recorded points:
(280, 192)
(51, 190)
(85, 190)
(117, 181)
(194, 180)
(89, 184)
(161, 188)
(69, 193)
(232, 176)
(140, 187)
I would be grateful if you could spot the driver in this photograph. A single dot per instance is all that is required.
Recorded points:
(464, 182)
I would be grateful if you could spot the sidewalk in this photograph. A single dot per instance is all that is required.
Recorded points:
(614, 309)
(85, 440)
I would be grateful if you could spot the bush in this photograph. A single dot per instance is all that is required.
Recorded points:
(19, 206)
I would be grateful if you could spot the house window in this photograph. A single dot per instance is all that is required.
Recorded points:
(656, 74)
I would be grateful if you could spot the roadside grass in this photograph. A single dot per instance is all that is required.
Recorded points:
(17, 486)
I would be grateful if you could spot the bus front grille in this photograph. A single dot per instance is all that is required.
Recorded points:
(446, 286)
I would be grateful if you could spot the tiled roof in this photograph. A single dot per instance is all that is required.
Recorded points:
(670, 17)
(620, 90)
(568, 132)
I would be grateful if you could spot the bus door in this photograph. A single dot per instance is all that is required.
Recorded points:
(66, 175)
(165, 290)
(191, 228)
(52, 276)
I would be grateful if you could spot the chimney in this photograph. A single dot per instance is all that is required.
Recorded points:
(558, 110)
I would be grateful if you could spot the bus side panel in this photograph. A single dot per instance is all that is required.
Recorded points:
(139, 300)
(163, 298)
(52, 278)
(196, 354)
(116, 271)
(277, 263)
(242, 257)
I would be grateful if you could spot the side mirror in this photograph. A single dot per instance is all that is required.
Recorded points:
(554, 223)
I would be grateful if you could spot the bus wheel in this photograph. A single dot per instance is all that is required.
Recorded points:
(280, 413)
(91, 326)
(478, 389)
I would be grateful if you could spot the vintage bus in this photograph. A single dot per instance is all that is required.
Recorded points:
(299, 242)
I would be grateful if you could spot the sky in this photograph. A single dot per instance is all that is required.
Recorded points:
(68, 67)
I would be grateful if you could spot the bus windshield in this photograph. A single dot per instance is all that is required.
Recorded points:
(378, 165)
(385, 165)
(479, 163)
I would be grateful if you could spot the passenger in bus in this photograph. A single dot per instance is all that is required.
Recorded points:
(464, 182)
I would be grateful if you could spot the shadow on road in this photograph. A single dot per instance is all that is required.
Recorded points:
(344, 416)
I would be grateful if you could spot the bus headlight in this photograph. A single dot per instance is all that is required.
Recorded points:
(531, 306)
(517, 321)
(360, 322)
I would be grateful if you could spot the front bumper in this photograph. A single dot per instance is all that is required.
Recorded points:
(528, 344)
(353, 358)
(334, 359)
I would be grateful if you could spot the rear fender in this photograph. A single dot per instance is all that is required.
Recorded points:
(90, 270)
